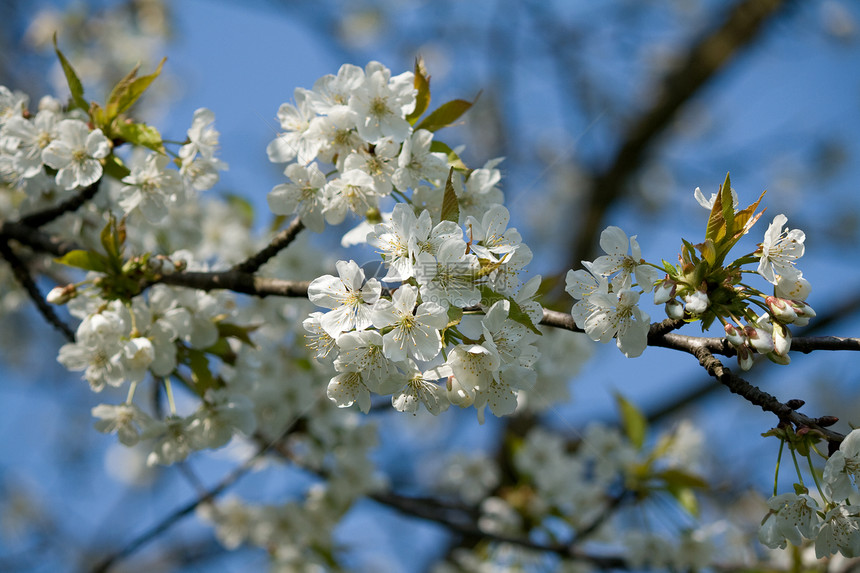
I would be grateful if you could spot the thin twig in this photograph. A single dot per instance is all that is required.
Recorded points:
(281, 241)
(70, 205)
(22, 274)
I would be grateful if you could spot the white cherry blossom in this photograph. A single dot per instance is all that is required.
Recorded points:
(303, 194)
(349, 297)
(75, 154)
(779, 251)
(414, 332)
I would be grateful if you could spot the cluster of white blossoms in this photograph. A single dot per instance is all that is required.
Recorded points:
(54, 152)
(447, 321)
(608, 289)
(412, 341)
(832, 521)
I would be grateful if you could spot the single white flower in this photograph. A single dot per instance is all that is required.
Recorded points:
(615, 244)
(75, 154)
(420, 389)
(842, 469)
(202, 137)
(416, 162)
(363, 352)
(349, 297)
(151, 187)
(490, 237)
(779, 251)
(382, 103)
(127, 420)
(617, 315)
(352, 191)
(295, 142)
(451, 277)
(415, 332)
(304, 194)
(840, 532)
(792, 517)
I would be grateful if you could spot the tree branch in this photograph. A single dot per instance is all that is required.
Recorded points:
(281, 241)
(70, 205)
(22, 274)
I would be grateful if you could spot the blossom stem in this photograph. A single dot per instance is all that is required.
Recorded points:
(776, 473)
(131, 388)
(797, 467)
(169, 390)
(815, 477)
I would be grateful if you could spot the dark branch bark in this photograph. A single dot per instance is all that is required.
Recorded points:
(281, 241)
(22, 274)
(70, 205)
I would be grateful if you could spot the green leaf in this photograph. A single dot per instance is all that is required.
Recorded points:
(110, 239)
(450, 204)
(445, 115)
(716, 224)
(728, 206)
(453, 159)
(138, 134)
(675, 477)
(241, 206)
(86, 260)
(75, 86)
(422, 98)
(114, 167)
(201, 375)
(687, 498)
(489, 297)
(129, 89)
(243, 333)
(632, 420)
(455, 314)
(709, 251)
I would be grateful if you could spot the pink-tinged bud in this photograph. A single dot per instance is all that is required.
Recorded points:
(781, 339)
(665, 290)
(697, 302)
(759, 339)
(803, 310)
(674, 309)
(777, 359)
(62, 295)
(734, 336)
(781, 309)
(745, 358)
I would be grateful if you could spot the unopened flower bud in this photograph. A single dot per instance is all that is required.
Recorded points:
(665, 291)
(803, 310)
(697, 302)
(745, 359)
(781, 339)
(62, 294)
(759, 339)
(795, 403)
(825, 421)
(781, 309)
(734, 336)
(674, 309)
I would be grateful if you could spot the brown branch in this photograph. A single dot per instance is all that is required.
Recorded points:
(756, 396)
(281, 241)
(742, 26)
(70, 205)
(22, 274)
